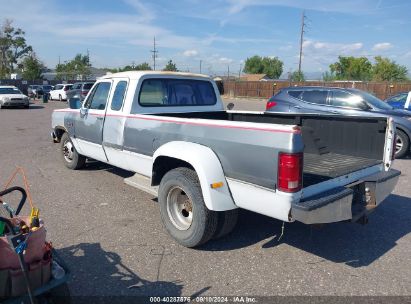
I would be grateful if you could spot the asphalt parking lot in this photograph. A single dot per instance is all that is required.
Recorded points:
(111, 236)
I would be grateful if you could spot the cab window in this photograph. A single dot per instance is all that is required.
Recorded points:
(118, 96)
(98, 98)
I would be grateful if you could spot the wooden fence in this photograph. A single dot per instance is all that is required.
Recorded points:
(266, 89)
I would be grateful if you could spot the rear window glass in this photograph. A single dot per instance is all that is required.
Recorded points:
(295, 94)
(176, 92)
(58, 87)
(87, 86)
(315, 96)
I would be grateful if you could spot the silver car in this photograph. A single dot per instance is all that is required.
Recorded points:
(11, 96)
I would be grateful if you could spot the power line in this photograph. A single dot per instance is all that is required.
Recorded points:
(155, 54)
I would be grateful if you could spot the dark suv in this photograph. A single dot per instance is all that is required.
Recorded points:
(80, 90)
(344, 102)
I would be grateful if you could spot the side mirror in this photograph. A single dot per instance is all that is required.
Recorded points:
(230, 106)
(74, 103)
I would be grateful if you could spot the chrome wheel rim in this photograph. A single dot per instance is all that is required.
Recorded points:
(179, 208)
(68, 151)
(398, 144)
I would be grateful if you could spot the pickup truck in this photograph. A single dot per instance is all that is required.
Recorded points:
(205, 162)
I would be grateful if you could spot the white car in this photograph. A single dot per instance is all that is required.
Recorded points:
(11, 96)
(59, 92)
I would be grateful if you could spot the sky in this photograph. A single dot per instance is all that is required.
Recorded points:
(219, 33)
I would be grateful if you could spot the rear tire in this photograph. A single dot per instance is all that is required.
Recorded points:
(227, 220)
(402, 144)
(71, 158)
(183, 211)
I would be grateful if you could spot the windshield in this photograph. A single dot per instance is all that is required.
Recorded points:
(375, 102)
(10, 91)
(46, 87)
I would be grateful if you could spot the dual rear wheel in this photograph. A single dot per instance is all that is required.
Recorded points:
(184, 213)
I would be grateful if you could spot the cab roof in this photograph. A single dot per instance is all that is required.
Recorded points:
(139, 74)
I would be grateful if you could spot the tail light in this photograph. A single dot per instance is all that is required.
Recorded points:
(290, 172)
(84, 93)
(66, 88)
(270, 104)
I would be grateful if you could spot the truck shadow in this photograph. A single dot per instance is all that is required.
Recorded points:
(98, 273)
(349, 243)
(94, 165)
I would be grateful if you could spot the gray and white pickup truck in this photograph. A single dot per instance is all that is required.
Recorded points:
(206, 163)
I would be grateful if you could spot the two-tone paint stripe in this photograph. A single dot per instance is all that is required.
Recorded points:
(291, 130)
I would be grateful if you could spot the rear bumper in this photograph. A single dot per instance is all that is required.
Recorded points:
(346, 203)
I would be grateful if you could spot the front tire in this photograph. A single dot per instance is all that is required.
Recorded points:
(183, 211)
(402, 144)
(71, 158)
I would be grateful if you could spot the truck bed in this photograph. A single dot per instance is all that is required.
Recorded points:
(333, 145)
(322, 167)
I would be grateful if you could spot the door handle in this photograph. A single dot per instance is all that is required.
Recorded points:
(99, 117)
(297, 107)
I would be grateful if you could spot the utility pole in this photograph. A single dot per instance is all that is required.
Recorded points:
(301, 40)
(228, 72)
(155, 52)
(200, 65)
(239, 72)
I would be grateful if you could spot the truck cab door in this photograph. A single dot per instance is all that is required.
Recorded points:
(89, 126)
(113, 132)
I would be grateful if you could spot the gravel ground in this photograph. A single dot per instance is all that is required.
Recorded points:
(111, 237)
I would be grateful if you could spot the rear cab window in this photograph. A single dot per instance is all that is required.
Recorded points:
(159, 92)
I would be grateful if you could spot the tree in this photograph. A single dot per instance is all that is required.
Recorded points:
(170, 66)
(32, 67)
(273, 67)
(77, 68)
(143, 67)
(297, 76)
(385, 69)
(13, 47)
(352, 68)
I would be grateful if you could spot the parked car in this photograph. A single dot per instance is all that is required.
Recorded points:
(34, 91)
(79, 89)
(60, 92)
(11, 96)
(204, 163)
(345, 102)
(400, 101)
